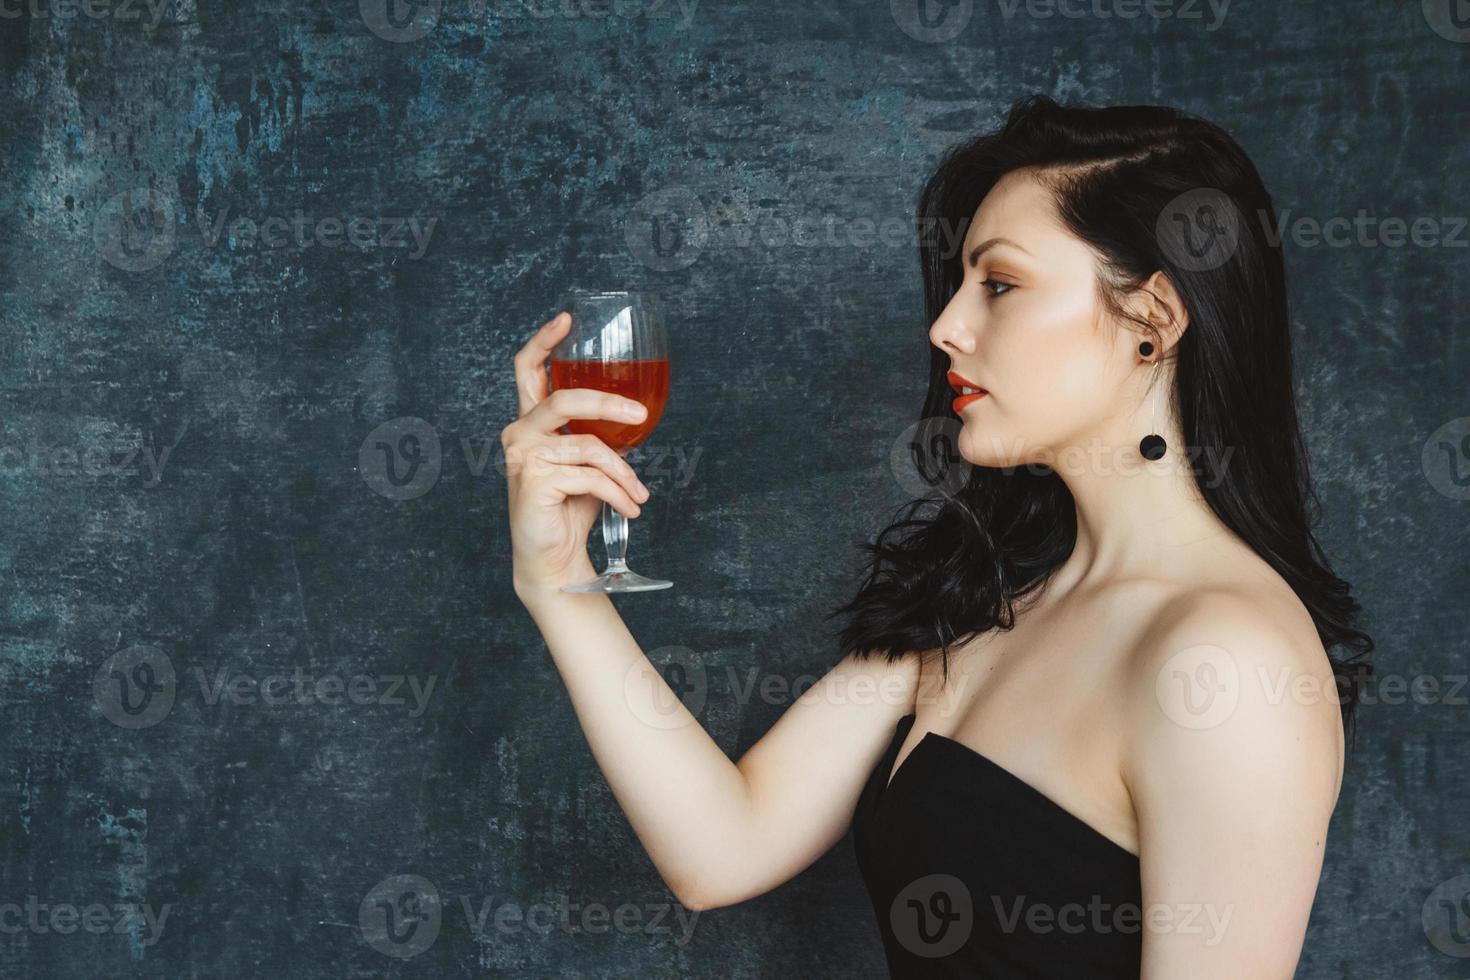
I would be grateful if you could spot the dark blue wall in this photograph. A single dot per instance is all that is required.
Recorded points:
(192, 495)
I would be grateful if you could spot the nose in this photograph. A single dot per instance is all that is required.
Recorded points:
(950, 333)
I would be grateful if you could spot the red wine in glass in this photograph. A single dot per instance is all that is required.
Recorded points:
(617, 343)
(642, 381)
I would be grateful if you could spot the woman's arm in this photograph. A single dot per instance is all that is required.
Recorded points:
(1234, 763)
(720, 832)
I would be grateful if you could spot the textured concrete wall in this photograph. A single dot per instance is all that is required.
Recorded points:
(244, 243)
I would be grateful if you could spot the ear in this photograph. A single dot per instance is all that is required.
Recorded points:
(1159, 303)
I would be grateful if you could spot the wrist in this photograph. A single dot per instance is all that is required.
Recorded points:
(536, 596)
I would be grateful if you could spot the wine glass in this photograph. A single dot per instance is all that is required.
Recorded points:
(617, 343)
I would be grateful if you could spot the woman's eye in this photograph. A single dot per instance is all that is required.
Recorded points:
(996, 282)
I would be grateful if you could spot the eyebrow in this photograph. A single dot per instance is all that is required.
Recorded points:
(986, 246)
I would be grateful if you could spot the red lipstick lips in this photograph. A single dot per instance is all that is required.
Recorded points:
(969, 392)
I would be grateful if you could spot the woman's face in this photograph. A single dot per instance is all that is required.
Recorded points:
(1026, 325)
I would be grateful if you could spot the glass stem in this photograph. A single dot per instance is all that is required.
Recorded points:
(615, 538)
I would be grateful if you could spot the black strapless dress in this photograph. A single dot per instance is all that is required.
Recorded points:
(973, 872)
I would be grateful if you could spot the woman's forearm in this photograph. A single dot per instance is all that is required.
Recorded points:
(687, 801)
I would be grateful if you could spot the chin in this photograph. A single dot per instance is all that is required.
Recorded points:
(984, 446)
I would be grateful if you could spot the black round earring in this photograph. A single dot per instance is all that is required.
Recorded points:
(1151, 446)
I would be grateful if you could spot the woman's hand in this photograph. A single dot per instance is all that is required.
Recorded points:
(558, 482)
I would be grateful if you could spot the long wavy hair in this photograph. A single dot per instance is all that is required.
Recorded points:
(954, 563)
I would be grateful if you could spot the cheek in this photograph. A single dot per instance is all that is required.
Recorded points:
(1054, 361)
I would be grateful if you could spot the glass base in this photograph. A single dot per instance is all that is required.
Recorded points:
(619, 580)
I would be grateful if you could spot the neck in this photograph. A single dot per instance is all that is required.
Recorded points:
(1137, 518)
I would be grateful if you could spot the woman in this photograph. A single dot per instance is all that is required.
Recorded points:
(1084, 723)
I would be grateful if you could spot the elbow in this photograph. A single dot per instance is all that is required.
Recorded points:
(695, 900)
(715, 884)
(696, 897)
(693, 904)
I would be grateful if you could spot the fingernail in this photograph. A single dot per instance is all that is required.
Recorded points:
(634, 411)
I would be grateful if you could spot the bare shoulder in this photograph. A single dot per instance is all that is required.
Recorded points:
(1239, 672)
(1232, 757)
